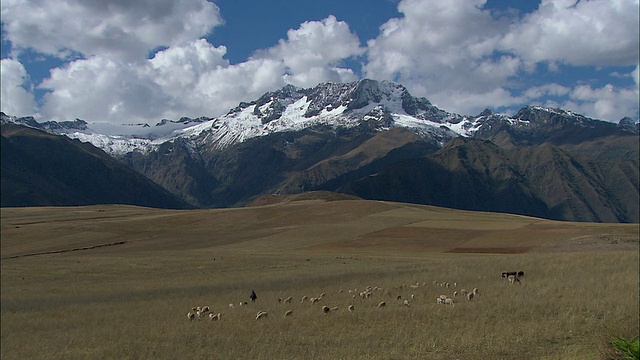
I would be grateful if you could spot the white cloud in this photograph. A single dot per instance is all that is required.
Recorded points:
(108, 28)
(457, 53)
(15, 98)
(193, 80)
(225, 87)
(180, 67)
(102, 89)
(473, 103)
(608, 102)
(599, 33)
(537, 92)
(316, 75)
(312, 52)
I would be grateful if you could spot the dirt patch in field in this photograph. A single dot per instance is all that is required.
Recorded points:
(490, 250)
(403, 238)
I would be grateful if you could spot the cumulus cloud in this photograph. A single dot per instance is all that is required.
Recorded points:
(607, 102)
(242, 82)
(537, 92)
(102, 89)
(193, 80)
(601, 33)
(312, 53)
(16, 91)
(179, 71)
(461, 55)
(108, 28)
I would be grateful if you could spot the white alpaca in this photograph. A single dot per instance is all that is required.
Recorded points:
(261, 314)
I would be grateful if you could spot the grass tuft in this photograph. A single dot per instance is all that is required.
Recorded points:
(623, 349)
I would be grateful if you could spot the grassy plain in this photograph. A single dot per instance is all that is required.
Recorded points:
(118, 281)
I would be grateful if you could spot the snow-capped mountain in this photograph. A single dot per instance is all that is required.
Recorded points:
(375, 140)
(384, 104)
(337, 105)
(115, 139)
(289, 109)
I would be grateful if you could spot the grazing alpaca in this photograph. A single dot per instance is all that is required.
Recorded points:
(261, 314)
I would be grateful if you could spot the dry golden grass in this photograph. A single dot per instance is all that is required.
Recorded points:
(131, 300)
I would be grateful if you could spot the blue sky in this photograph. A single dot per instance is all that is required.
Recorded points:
(144, 60)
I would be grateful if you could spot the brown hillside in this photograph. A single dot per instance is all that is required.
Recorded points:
(272, 199)
(349, 226)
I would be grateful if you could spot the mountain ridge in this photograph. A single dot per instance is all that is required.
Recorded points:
(342, 137)
(335, 104)
(41, 169)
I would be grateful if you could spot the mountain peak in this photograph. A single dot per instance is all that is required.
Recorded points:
(627, 123)
(550, 116)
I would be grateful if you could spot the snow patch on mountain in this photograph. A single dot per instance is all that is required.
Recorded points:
(113, 144)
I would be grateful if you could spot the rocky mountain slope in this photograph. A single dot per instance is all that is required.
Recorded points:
(41, 169)
(544, 181)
